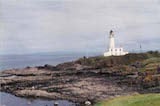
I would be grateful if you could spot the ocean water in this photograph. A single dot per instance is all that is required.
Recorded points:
(11, 100)
(21, 61)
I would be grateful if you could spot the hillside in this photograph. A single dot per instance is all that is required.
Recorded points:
(102, 62)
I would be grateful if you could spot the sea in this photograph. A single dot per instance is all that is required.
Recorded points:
(31, 60)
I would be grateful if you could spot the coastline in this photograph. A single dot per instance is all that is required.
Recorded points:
(76, 81)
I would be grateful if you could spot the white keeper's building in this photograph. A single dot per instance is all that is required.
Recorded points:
(112, 51)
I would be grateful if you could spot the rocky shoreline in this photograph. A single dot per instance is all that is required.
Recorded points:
(87, 79)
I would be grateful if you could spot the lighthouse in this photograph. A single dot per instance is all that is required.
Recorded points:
(113, 51)
(111, 37)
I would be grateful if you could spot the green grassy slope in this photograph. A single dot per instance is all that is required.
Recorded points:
(135, 100)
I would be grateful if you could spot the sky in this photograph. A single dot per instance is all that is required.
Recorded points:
(33, 26)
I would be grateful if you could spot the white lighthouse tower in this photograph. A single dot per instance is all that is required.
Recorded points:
(111, 37)
(112, 51)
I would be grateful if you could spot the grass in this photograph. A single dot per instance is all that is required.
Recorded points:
(128, 59)
(150, 64)
(151, 60)
(134, 100)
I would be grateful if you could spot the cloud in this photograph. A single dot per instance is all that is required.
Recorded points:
(54, 25)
